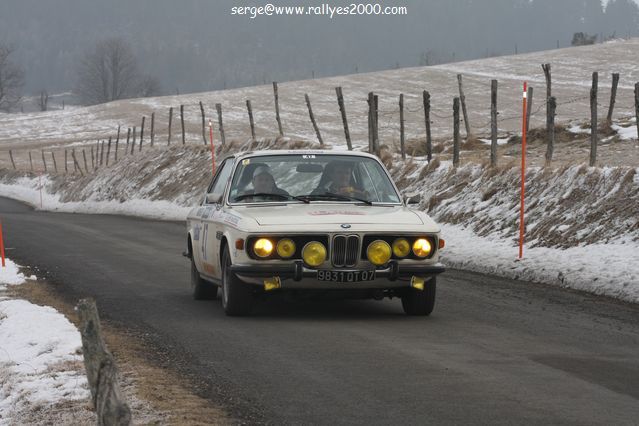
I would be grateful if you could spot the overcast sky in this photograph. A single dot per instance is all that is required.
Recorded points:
(196, 45)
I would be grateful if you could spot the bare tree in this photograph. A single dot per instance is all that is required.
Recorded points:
(149, 86)
(11, 79)
(108, 72)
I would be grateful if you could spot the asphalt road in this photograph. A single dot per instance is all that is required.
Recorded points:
(494, 351)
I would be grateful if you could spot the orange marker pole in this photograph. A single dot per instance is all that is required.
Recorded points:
(2, 245)
(523, 173)
(212, 147)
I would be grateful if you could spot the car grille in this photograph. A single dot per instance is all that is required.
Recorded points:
(345, 250)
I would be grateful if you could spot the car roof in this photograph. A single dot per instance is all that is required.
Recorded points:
(300, 152)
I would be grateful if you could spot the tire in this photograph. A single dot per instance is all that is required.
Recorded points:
(202, 289)
(420, 302)
(237, 297)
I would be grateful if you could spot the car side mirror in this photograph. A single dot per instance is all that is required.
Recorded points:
(213, 198)
(412, 199)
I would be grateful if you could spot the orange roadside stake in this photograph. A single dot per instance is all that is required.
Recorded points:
(2, 245)
(523, 173)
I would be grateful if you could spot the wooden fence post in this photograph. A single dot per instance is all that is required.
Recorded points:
(371, 105)
(97, 152)
(102, 374)
(133, 141)
(13, 163)
(30, 161)
(376, 124)
(84, 155)
(429, 138)
(613, 96)
(402, 140)
(115, 159)
(203, 123)
(529, 103)
(66, 168)
(93, 157)
(456, 132)
(218, 108)
(547, 74)
(342, 110)
(117, 138)
(550, 128)
(141, 136)
(43, 161)
(493, 123)
(55, 164)
(152, 127)
(76, 164)
(637, 107)
(170, 121)
(250, 115)
(310, 113)
(102, 153)
(182, 122)
(128, 135)
(462, 99)
(108, 151)
(593, 119)
(277, 109)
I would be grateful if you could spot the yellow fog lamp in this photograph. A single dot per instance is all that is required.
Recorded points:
(401, 247)
(285, 248)
(422, 247)
(378, 252)
(314, 253)
(263, 247)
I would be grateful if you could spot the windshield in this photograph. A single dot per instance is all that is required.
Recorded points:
(311, 177)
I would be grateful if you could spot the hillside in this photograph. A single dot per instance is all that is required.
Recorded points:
(572, 68)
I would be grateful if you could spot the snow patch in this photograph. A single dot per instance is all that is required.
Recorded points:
(40, 361)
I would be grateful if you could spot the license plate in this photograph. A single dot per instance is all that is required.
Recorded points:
(345, 276)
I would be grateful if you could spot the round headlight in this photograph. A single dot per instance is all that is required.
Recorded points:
(314, 253)
(263, 247)
(422, 247)
(285, 248)
(378, 252)
(401, 247)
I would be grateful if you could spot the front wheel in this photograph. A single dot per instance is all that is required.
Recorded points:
(420, 302)
(202, 289)
(237, 297)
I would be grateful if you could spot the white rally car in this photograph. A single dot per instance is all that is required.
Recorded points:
(313, 222)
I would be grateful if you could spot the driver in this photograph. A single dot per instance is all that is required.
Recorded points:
(338, 180)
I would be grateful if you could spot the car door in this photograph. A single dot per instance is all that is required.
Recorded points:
(211, 226)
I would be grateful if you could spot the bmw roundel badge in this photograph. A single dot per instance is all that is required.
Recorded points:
(345, 225)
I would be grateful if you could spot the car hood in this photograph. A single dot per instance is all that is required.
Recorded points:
(315, 214)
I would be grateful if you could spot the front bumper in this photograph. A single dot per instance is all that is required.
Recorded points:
(296, 275)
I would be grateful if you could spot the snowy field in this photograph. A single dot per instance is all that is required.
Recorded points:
(40, 360)
(571, 69)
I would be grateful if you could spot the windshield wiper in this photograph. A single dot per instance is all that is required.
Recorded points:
(268, 194)
(333, 196)
(261, 194)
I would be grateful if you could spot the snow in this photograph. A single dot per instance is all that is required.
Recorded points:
(33, 191)
(609, 269)
(625, 133)
(39, 354)
(500, 141)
